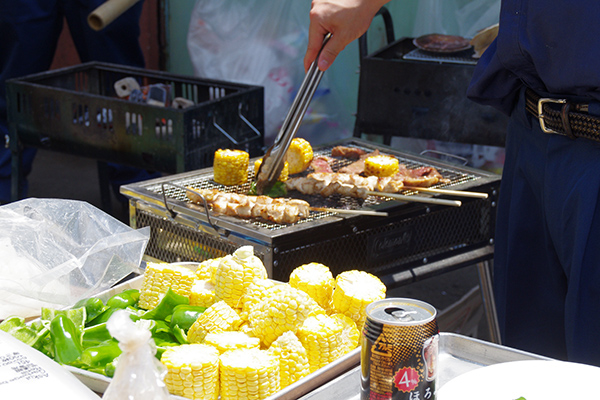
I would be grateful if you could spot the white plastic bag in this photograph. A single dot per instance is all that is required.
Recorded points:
(262, 42)
(138, 374)
(55, 252)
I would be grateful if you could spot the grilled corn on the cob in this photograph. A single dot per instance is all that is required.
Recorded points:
(158, 278)
(293, 359)
(283, 176)
(354, 290)
(192, 371)
(299, 155)
(321, 336)
(381, 166)
(230, 167)
(316, 280)
(248, 374)
(219, 317)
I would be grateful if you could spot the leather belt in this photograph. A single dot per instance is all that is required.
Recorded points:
(563, 117)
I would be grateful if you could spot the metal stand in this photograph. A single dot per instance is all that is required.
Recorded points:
(482, 257)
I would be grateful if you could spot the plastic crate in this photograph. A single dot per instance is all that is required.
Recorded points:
(76, 110)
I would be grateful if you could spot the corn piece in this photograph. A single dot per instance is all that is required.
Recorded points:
(353, 291)
(321, 336)
(381, 166)
(293, 359)
(219, 317)
(231, 340)
(235, 273)
(350, 334)
(283, 176)
(158, 278)
(248, 374)
(253, 294)
(230, 167)
(299, 155)
(192, 371)
(282, 308)
(206, 269)
(202, 293)
(316, 280)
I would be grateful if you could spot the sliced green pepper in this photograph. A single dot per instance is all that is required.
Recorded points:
(121, 300)
(32, 335)
(100, 355)
(179, 334)
(166, 306)
(95, 334)
(185, 315)
(93, 307)
(66, 339)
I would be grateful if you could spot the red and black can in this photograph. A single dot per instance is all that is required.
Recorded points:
(399, 349)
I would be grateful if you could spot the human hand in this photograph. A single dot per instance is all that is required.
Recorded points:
(346, 20)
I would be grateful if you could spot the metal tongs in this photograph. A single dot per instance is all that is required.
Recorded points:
(273, 160)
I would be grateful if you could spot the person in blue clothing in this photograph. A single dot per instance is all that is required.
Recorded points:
(547, 258)
(29, 32)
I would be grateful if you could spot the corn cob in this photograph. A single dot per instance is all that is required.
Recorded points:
(202, 293)
(206, 269)
(321, 336)
(354, 290)
(283, 308)
(381, 166)
(253, 295)
(217, 318)
(235, 273)
(293, 359)
(248, 374)
(316, 280)
(231, 340)
(283, 176)
(299, 155)
(158, 278)
(192, 371)
(230, 167)
(350, 334)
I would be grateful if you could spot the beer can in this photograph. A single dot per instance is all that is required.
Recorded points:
(399, 349)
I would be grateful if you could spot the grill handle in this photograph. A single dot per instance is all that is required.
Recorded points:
(224, 233)
(243, 118)
(463, 160)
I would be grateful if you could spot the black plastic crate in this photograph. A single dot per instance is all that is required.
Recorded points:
(76, 110)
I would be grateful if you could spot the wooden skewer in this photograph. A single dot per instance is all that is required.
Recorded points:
(477, 195)
(357, 212)
(417, 199)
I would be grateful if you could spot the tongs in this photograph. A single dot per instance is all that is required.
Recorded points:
(274, 158)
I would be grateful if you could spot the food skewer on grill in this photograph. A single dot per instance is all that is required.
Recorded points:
(463, 193)
(278, 210)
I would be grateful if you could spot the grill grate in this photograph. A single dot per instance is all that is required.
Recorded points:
(412, 234)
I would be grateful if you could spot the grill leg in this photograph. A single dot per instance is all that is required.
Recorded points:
(487, 293)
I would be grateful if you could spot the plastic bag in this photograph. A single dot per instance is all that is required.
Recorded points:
(262, 42)
(138, 375)
(55, 252)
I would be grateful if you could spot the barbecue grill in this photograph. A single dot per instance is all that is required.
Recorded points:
(413, 234)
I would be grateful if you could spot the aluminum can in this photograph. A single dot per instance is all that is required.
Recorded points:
(399, 350)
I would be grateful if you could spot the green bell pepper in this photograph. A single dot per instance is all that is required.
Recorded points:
(96, 334)
(66, 339)
(96, 357)
(166, 306)
(93, 307)
(121, 300)
(185, 315)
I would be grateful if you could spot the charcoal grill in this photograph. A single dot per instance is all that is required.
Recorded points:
(407, 92)
(413, 234)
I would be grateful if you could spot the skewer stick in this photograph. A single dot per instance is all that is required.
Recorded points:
(357, 212)
(477, 195)
(417, 199)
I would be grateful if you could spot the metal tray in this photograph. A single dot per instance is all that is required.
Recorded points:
(99, 383)
(458, 354)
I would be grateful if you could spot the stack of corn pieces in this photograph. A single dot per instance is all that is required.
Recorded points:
(258, 336)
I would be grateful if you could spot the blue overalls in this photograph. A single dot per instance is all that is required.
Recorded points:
(547, 252)
(29, 32)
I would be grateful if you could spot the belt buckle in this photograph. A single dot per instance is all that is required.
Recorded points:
(540, 115)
